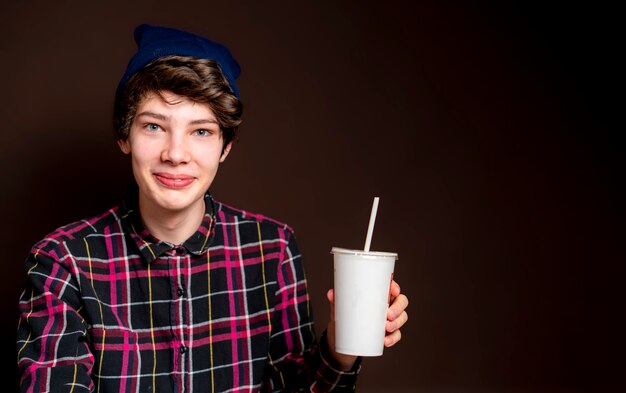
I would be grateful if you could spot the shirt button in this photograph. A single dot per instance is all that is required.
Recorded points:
(182, 349)
(180, 291)
(180, 250)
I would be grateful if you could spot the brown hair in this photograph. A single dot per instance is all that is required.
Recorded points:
(200, 80)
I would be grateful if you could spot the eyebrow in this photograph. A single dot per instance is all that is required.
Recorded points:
(152, 114)
(159, 116)
(204, 121)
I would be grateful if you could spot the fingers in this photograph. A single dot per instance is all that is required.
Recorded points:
(392, 338)
(400, 303)
(394, 289)
(393, 325)
(396, 316)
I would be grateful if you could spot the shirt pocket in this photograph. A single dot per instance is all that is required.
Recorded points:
(115, 351)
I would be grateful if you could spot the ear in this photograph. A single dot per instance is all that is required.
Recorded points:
(124, 145)
(226, 151)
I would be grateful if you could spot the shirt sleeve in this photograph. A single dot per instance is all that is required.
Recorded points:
(53, 355)
(297, 361)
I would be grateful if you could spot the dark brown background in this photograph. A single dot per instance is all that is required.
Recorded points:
(489, 131)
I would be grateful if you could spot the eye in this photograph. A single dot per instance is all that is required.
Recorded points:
(203, 132)
(152, 127)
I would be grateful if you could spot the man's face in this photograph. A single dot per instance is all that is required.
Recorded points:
(176, 147)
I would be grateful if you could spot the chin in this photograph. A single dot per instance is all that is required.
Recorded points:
(180, 204)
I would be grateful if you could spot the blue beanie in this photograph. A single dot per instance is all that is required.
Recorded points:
(155, 41)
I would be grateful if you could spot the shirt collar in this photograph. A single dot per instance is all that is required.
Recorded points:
(152, 248)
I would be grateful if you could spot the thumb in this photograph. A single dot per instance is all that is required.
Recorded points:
(330, 295)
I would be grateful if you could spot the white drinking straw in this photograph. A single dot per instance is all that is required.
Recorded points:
(370, 228)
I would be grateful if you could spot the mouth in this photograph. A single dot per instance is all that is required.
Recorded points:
(174, 181)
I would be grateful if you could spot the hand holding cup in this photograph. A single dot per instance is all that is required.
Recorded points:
(367, 308)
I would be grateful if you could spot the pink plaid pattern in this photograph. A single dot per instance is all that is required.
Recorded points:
(110, 308)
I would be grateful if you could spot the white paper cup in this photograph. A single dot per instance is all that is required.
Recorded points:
(361, 283)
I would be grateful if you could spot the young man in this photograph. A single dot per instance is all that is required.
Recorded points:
(173, 291)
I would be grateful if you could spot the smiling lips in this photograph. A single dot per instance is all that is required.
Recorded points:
(174, 181)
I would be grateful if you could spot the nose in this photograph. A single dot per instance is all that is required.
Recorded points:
(175, 151)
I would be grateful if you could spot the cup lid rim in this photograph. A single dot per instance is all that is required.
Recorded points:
(340, 250)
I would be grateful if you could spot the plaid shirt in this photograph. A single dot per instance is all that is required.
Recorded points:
(110, 308)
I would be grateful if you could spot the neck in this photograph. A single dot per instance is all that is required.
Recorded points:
(172, 226)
